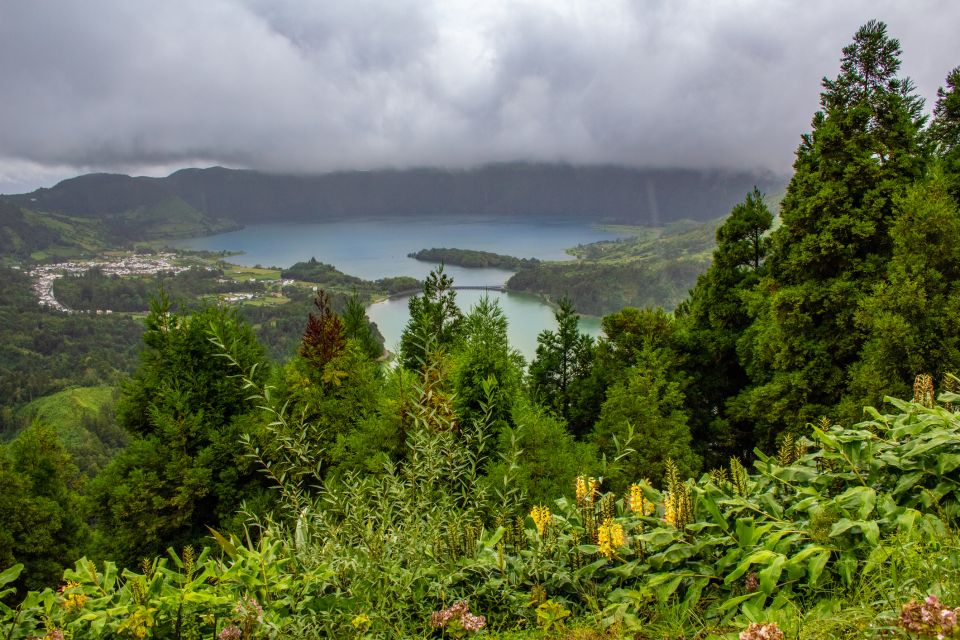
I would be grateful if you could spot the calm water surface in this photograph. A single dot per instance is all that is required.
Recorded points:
(377, 248)
(527, 315)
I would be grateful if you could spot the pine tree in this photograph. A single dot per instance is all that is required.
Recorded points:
(910, 319)
(714, 319)
(485, 358)
(834, 242)
(41, 515)
(435, 321)
(945, 130)
(356, 327)
(563, 360)
(650, 401)
(185, 467)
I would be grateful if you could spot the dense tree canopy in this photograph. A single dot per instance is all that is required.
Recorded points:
(435, 320)
(712, 322)
(563, 360)
(834, 241)
(186, 409)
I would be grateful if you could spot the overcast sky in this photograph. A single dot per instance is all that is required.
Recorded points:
(146, 87)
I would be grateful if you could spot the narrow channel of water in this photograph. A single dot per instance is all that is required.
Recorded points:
(527, 316)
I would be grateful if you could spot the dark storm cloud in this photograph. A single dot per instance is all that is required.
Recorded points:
(299, 85)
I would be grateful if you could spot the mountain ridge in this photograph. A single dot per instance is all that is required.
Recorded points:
(605, 193)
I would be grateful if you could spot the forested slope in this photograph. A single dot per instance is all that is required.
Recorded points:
(602, 193)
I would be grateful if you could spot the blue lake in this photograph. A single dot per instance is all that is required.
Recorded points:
(377, 248)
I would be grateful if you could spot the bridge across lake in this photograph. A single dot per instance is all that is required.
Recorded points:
(474, 287)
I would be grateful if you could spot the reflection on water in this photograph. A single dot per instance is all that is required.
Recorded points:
(527, 316)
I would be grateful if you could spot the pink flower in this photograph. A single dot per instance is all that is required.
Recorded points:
(231, 632)
(458, 613)
(765, 631)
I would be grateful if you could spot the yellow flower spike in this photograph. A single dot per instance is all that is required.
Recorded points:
(73, 601)
(618, 537)
(610, 537)
(581, 489)
(638, 502)
(669, 509)
(541, 517)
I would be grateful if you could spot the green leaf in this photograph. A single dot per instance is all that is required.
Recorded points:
(227, 546)
(10, 574)
(665, 587)
(713, 509)
(947, 462)
(862, 499)
(841, 526)
(757, 557)
(816, 566)
(676, 553)
(734, 602)
(795, 473)
(906, 520)
(907, 481)
(771, 575)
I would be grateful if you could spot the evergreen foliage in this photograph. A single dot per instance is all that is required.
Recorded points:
(712, 322)
(356, 327)
(486, 372)
(564, 358)
(435, 321)
(185, 467)
(41, 522)
(945, 130)
(646, 409)
(834, 242)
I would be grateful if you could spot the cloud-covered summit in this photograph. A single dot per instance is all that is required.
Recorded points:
(303, 86)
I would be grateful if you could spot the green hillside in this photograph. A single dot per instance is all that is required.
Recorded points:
(25, 234)
(651, 267)
(84, 422)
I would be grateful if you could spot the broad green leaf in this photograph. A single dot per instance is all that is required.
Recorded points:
(947, 462)
(907, 481)
(734, 602)
(713, 509)
(769, 502)
(862, 499)
(757, 557)
(906, 520)
(10, 574)
(227, 546)
(816, 566)
(795, 473)
(665, 587)
(771, 575)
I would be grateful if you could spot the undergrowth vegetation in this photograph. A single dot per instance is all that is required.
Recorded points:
(831, 538)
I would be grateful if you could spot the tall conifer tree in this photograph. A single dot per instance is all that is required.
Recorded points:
(713, 320)
(834, 243)
(945, 130)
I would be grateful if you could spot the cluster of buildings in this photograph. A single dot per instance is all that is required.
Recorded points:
(135, 264)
